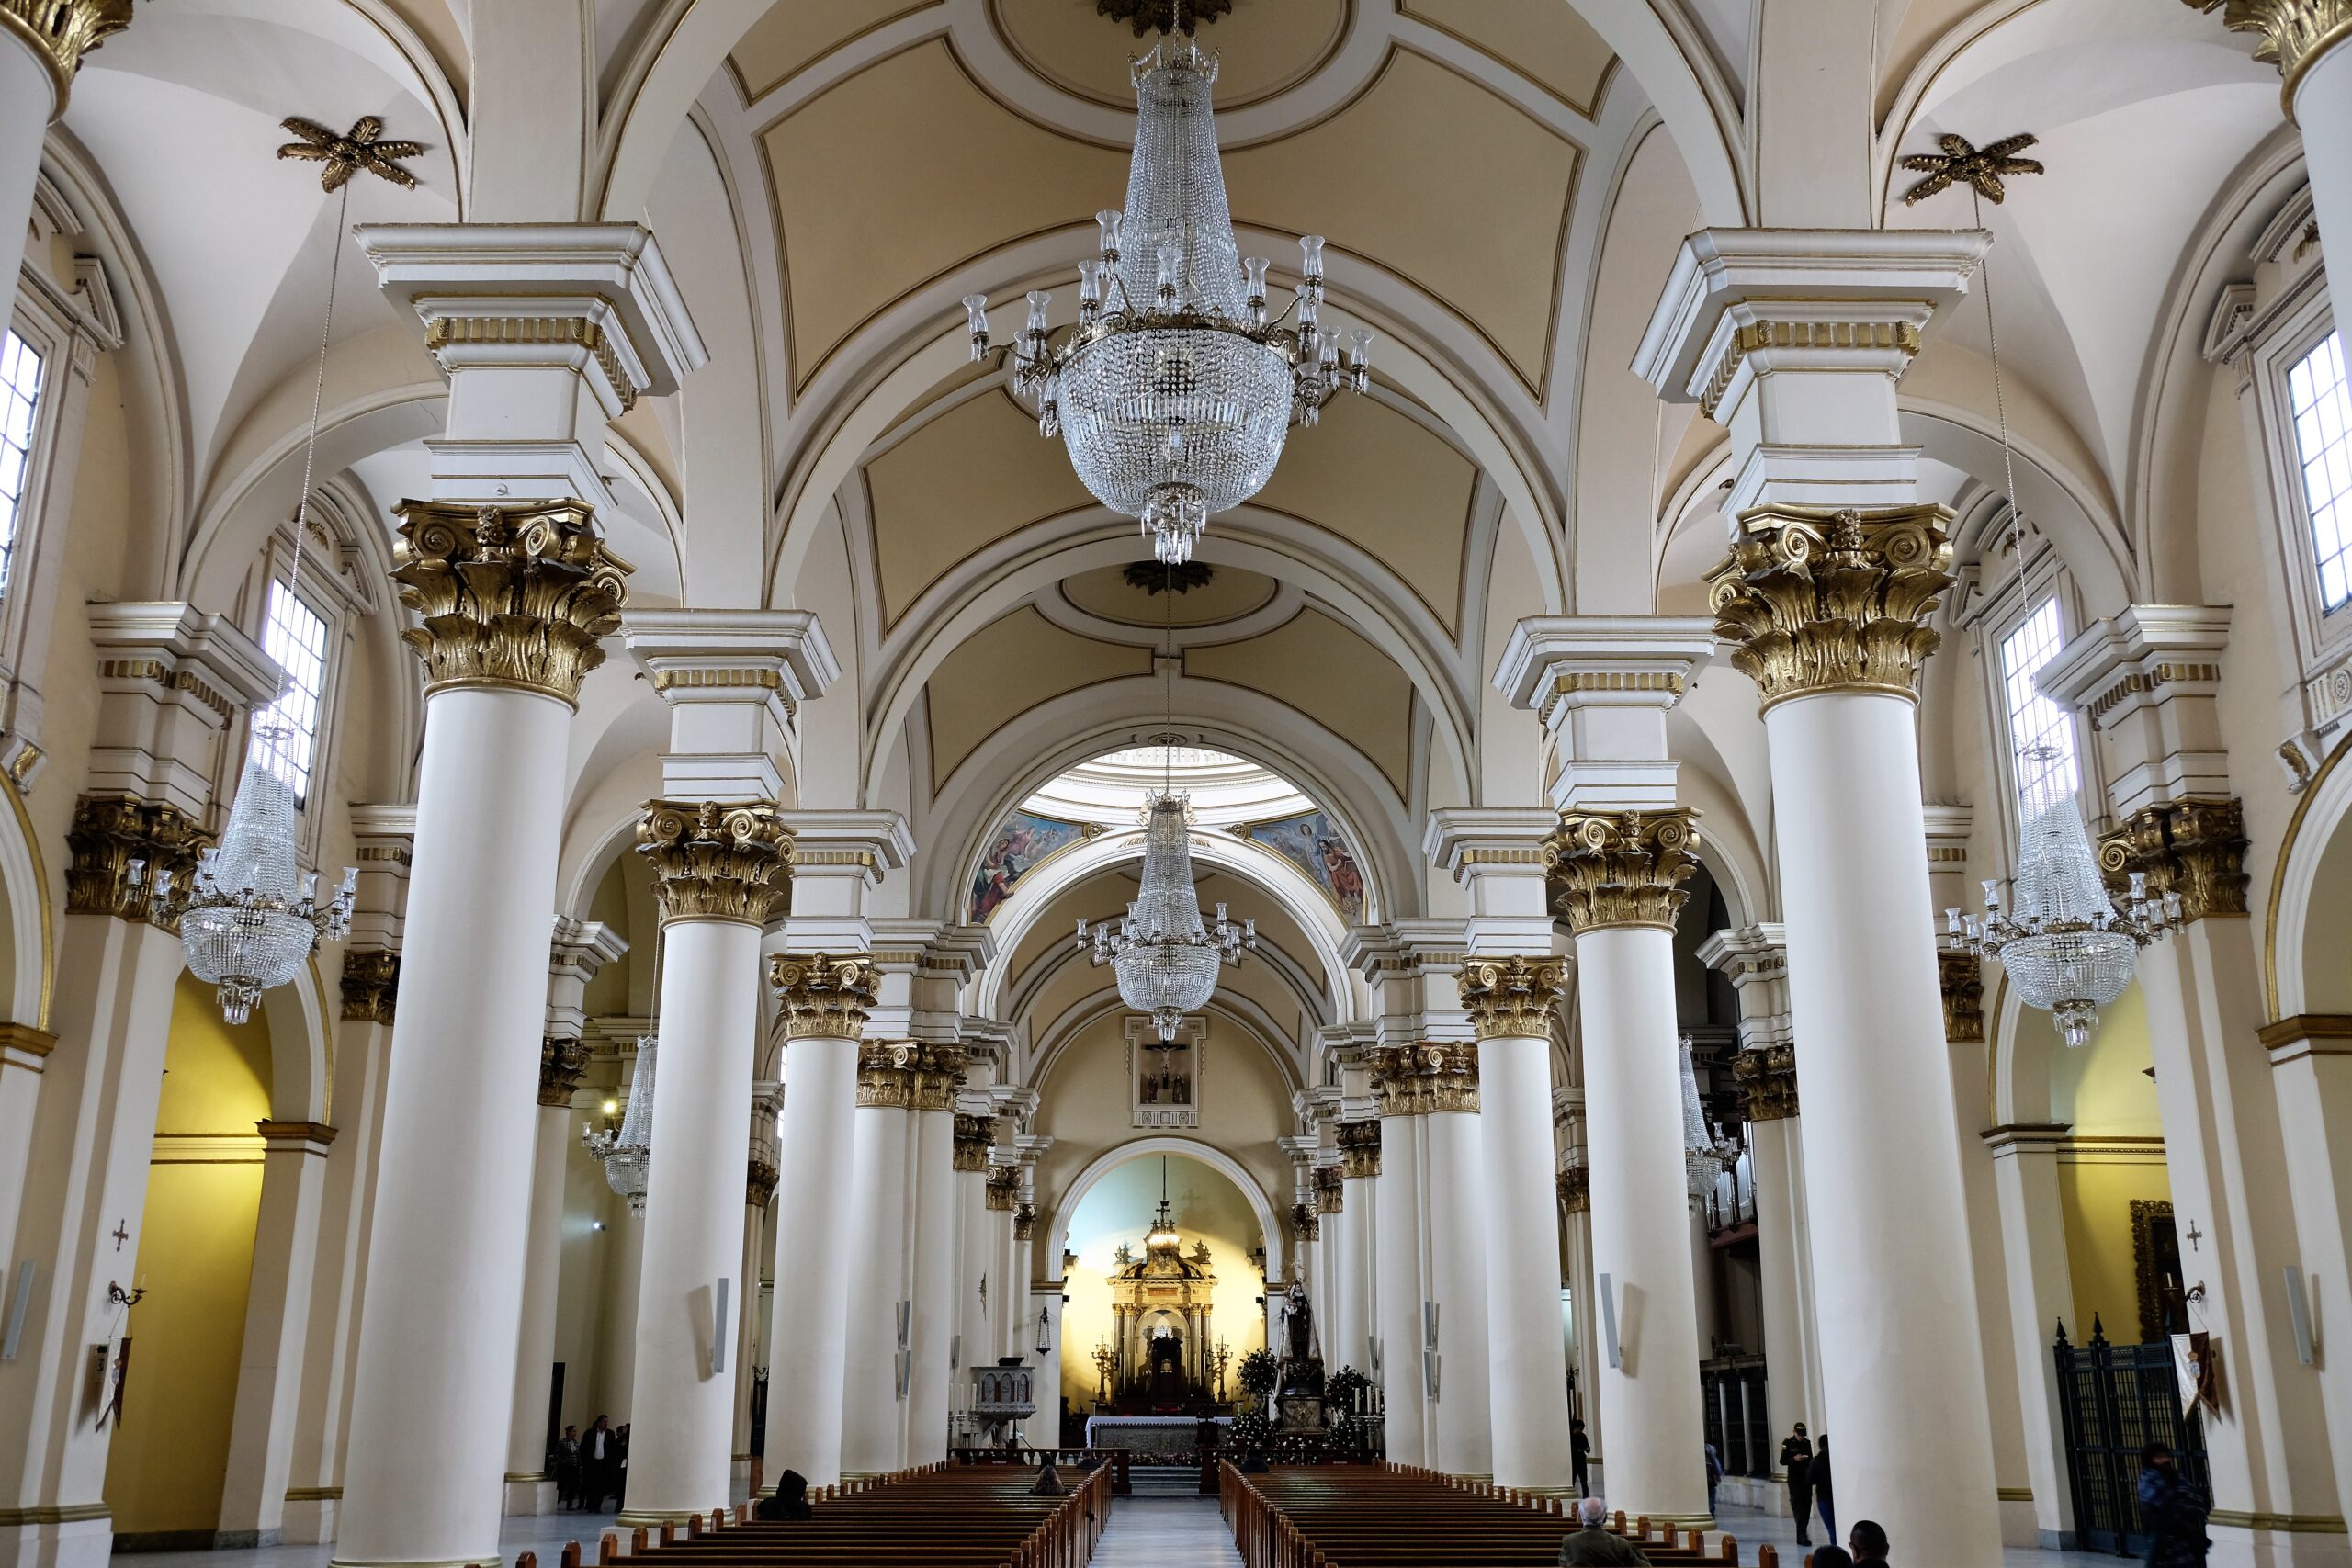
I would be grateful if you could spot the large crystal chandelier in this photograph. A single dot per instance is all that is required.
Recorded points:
(2068, 947)
(1704, 1157)
(1165, 956)
(1175, 387)
(626, 1151)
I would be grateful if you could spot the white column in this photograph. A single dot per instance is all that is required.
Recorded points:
(1394, 1156)
(973, 1125)
(1463, 1427)
(530, 1490)
(757, 1311)
(37, 62)
(2320, 99)
(721, 871)
(1358, 1251)
(2034, 1268)
(825, 1001)
(1794, 342)
(277, 1300)
(881, 1200)
(935, 1191)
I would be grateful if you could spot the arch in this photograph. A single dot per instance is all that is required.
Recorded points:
(1209, 1154)
(2309, 891)
(28, 951)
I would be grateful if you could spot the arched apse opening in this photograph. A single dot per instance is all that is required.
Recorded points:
(1071, 1193)
(1215, 1227)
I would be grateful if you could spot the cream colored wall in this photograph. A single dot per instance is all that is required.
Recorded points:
(1206, 1206)
(170, 1457)
(2114, 1155)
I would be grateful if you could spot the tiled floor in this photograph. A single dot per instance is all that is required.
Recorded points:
(1166, 1532)
(544, 1535)
(1753, 1529)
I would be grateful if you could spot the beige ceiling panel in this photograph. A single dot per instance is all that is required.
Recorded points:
(903, 171)
(1321, 667)
(1004, 670)
(798, 33)
(1439, 180)
(969, 477)
(1541, 40)
(1261, 48)
(1383, 480)
(1230, 593)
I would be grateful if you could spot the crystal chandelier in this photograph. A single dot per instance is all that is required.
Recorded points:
(1166, 958)
(2068, 947)
(1704, 1157)
(1174, 389)
(628, 1150)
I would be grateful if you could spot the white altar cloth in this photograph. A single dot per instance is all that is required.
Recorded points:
(1146, 1434)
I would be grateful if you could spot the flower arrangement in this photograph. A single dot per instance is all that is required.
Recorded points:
(1258, 1373)
(1346, 1388)
(1250, 1431)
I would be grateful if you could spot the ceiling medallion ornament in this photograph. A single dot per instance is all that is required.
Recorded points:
(1175, 388)
(1160, 577)
(626, 1151)
(359, 148)
(1164, 16)
(2068, 947)
(1962, 162)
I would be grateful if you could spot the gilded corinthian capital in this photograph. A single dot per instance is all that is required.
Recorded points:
(563, 1059)
(1359, 1149)
(824, 998)
(714, 861)
(1622, 868)
(512, 596)
(1416, 1080)
(1816, 600)
(972, 1134)
(2294, 33)
(1767, 1076)
(1512, 998)
(62, 32)
(371, 984)
(111, 831)
(907, 1075)
(2195, 848)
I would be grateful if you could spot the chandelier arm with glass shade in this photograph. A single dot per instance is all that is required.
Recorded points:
(251, 918)
(1175, 387)
(626, 1151)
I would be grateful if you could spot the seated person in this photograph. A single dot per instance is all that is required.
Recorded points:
(789, 1500)
(1593, 1544)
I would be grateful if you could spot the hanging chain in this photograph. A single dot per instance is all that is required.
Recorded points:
(318, 396)
(2001, 409)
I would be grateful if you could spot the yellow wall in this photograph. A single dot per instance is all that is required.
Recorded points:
(1207, 1207)
(2096, 1197)
(169, 1459)
(2115, 1156)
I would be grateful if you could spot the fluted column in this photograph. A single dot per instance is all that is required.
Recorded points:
(1794, 342)
(720, 874)
(41, 46)
(1428, 1096)
(825, 1001)
(1621, 888)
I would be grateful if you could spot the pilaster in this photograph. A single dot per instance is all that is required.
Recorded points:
(734, 682)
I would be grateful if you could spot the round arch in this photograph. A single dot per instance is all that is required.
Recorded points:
(2310, 895)
(1209, 1154)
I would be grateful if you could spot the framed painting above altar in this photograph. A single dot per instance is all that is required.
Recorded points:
(1164, 1078)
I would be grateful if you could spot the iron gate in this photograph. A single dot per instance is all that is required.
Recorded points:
(2113, 1401)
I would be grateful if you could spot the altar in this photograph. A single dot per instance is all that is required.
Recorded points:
(1147, 1434)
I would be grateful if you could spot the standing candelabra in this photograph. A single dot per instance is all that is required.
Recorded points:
(1104, 1359)
(1224, 1354)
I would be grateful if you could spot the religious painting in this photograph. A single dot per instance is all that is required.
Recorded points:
(1313, 843)
(2156, 1263)
(1164, 1076)
(1023, 842)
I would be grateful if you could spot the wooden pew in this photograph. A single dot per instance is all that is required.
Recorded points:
(1390, 1517)
(957, 1515)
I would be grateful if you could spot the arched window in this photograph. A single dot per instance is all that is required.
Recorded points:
(285, 736)
(20, 375)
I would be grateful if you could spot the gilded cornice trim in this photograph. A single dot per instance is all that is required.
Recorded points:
(371, 984)
(2307, 1034)
(1004, 1190)
(224, 707)
(1574, 1185)
(2294, 34)
(317, 1133)
(1422, 1080)
(1512, 998)
(2194, 847)
(972, 1136)
(507, 595)
(907, 1075)
(2286, 1524)
(716, 861)
(758, 1181)
(1622, 868)
(1767, 1076)
(62, 32)
(824, 998)
(1961, 976)
(1359, 1149)
(1330, 1189)
(534, 332)
(27, 1045)
(1822, 599)
(1899, 337)
(107, 834)
(1024, 1223)
(563, 1059)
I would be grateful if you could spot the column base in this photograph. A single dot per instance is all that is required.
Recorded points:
(80, 1535)
(309, 1519)
(2278, 1541)
(528, 1495)
(419, 1563)
(652, 1519)
(2020, 1526)
(1766, 1494)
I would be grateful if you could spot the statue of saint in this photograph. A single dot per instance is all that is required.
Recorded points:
(1299, 1319)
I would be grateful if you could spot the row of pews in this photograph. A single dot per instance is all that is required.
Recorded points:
(978, 1514)
(1383, 1516)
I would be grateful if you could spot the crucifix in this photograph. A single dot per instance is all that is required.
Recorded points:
(2194, 1235)
(121, 1232)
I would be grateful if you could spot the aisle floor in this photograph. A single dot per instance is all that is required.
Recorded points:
(1753, 1529)
(1166, 1532)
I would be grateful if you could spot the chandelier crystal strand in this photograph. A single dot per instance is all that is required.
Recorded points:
(1703, 1159)
(628, 1151)
(1174, 389)
(2068, 947)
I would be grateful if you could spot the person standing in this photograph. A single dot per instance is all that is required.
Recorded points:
(1796, 1464)
(1715, 1477)
(620, 1466)
(1579, 1457)
(567, 1469)
(1823, 1499)
(596, 1465)
(2173, 1510)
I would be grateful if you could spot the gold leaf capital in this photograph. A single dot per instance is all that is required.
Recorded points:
(824, 998)
(1766, 1075)
(109, 832)
(513, 596)
(62, 32)
(1622, 868)
(371, 984)
(716, 861)
(563, 1059)
(2294, 33)
(1359, 1149)
(907, 1075)
(1814, 599)
(2194, 847)
(1512, 998)
(1420, 1080)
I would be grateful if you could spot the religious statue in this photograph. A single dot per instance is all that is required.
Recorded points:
(1298, 1318)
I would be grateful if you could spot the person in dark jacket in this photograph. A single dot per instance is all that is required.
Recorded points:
(2173, 1510)
(1868, 1544)
(1579, 1457)
(1829, 1557)
(789, 1501)
(1595, 1546)
(1796, 1462)
(1822, 1498)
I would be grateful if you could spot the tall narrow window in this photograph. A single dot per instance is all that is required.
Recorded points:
(286, 733)
(20, 396)
(2041, 736)
(2323, 409)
